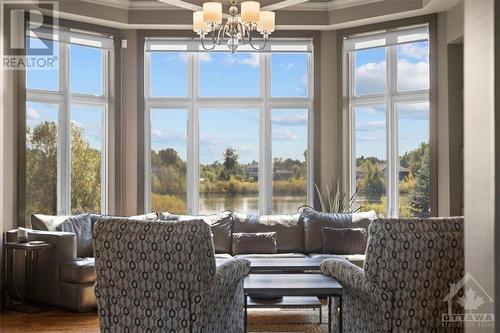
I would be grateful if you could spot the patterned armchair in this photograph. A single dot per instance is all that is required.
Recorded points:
(408, 270)
(161, 277)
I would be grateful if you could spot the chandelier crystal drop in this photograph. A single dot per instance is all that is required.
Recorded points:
(237, 29)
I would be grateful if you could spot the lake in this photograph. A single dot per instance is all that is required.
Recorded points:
(249, 204)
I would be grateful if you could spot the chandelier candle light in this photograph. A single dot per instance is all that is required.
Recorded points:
(208, 25)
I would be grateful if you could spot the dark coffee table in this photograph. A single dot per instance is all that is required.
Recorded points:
(280, 285)
(280, 265)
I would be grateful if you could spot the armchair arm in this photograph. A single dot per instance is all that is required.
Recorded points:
(49, 261)
(226, 299)
(353, 277)
(232, 271)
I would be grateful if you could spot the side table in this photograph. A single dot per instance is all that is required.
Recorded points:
(31, 250)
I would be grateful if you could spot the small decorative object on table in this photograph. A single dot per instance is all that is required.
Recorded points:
(22, 235)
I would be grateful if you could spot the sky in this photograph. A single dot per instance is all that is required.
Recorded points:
(85, 78)
(370, 77)
(228, 75)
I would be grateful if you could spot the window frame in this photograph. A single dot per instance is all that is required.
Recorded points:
(64, 98)
(390, 99)
(265, 103)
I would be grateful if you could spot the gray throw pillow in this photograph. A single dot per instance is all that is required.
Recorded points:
(254, 243)
(47, 222)
(344, 241)
(289, 229)
(314, 221)
(81, 226)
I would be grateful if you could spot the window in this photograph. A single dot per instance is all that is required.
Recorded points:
(232, 132)
(389, 116)
(66, 117)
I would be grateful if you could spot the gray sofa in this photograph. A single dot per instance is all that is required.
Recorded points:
(68, 281)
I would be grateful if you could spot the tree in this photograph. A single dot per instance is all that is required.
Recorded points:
(372, 182)
(41, 169)
(169, 156)
(85, 173)
(230, 164)
(419, 195)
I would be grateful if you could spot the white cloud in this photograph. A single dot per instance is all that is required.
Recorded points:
(205, 57)
(182, 56)
(229, 59)
(290, 120)
(158, 136)
(415, 51)
(414, 111)
(252, 60)
(32, 114)
(209, 140)
(372, 110)
(413, 76)
(370, 77)
(284, 135)
(372, 125)
(289, 66)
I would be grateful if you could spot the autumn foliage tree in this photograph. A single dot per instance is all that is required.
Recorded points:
(41, 171)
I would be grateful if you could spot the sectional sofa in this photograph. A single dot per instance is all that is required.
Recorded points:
(66, 274)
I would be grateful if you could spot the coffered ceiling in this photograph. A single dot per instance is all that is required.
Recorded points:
(290, 14)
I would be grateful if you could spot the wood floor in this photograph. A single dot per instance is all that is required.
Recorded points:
(60, 321)
(49, 321)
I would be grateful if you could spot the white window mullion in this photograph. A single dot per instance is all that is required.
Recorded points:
(265, 148)
(65, 131)
(193, 157)
(392, 135)
(147, 134)
(352, 150)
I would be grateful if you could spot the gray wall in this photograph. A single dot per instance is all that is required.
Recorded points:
(479, 144)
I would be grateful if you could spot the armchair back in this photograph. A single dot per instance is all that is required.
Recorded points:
(416, 260)
(152, 275)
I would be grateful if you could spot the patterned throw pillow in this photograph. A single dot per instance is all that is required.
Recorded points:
(344, 241)
(254, 243)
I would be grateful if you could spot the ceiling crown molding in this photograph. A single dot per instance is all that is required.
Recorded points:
(135, 5)
(331, 5)
(179, 4)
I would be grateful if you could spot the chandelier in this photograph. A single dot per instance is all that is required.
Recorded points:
(237, 29)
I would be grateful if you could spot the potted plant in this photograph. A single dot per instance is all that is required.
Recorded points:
(335, 201)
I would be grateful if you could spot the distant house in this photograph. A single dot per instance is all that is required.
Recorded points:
(252, 171)
(403, 172)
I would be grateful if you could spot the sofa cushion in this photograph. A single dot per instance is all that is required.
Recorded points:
(47, 222)
(81, 226)
(271, 256)
(220, 225)
(258, 243)
(314, 221)
(344, 240)
(289, 229)
(78, 271)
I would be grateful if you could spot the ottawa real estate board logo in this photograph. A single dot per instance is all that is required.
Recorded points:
(467, 300)
(32, 32)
